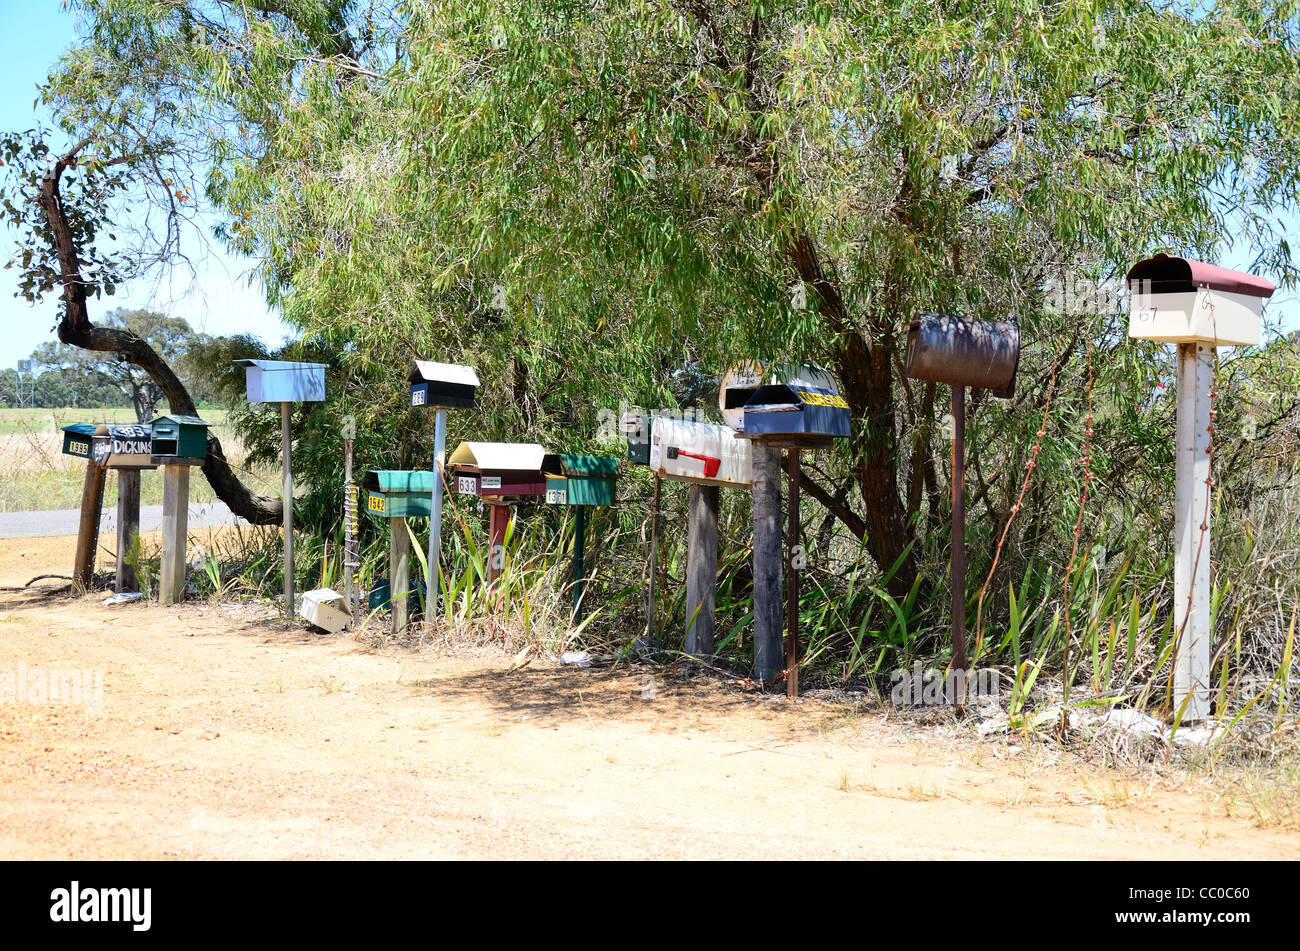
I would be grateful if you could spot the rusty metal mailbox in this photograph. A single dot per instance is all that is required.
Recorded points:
(964, 352)
(1178, 300)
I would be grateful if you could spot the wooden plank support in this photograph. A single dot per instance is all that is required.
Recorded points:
(399, 573)
(702, 571)
(650, 604)
(767, 562)
(498, 519)
(286, 448)
(792, 555)
(175, 530)
(128, 528)
(92, 505)
(1192, 443)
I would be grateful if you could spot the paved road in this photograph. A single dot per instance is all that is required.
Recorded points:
(65, 521)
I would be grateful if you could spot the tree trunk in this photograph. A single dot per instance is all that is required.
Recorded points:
(76, 329)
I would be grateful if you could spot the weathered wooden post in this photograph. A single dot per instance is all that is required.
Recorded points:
(285, 382)
(178, 443)
(702, 570)
(706, 457)
(962, 352)
(128, 527)
(443, 386)
(1198, 307)
(794, 408)
(579, 482)
(127, 449)
(77, 439)
(397, 495)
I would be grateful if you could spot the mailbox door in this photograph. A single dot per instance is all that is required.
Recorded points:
(76, 444)
(694, 449)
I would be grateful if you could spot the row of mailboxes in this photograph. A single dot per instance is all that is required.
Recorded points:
(139, 446)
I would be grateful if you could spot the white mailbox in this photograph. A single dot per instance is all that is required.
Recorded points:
(1178, 300)
(699, 452)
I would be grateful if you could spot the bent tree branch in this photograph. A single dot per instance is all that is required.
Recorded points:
(75, 328)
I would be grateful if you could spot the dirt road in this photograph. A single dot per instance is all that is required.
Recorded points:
(224, 734)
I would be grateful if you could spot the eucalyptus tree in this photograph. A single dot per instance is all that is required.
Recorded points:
(584, 198)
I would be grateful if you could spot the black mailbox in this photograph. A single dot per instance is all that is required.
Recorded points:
(446, 385)
(964, 352)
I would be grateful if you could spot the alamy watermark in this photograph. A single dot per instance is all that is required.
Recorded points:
(40, 686)
(930, 686)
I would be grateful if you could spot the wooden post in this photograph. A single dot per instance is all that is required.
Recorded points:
(702, 571)
(792, 582)
(175, 530)
(767, 562)
(579, 543)
(92, 505)
(433, 585)
(654, 565)
(958, 573)
(286, 448)
(399, 572)
(1192, 531)
(128, 527)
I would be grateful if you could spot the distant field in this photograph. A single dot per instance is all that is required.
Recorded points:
(35, 474)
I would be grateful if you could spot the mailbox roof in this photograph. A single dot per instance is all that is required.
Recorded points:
(1164, 268)
(399, 480)
(276, 365)
(442, 373)
(521, 456)
(185, 420)
(81, 429)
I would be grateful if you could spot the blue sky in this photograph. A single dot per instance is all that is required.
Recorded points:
(218, 300)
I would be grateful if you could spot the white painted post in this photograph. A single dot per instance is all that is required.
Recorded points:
(399, 572)
(175, 529)
(1192, 531)
(432, 586)
(286, 446)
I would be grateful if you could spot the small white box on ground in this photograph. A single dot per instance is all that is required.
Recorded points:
(325, 608)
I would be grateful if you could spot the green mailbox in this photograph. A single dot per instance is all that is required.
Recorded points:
(398, 493)
(580, 480)
(76, 439)
(180, 437)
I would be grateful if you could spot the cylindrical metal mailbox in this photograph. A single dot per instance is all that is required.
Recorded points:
(964, 352)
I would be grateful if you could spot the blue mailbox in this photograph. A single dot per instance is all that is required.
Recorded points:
(283, 381)
(799, 406)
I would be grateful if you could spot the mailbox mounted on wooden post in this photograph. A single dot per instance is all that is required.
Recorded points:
(579, 481)
(123, 446)
(779, 407)
(1199, 307)
(77, 438)
(702, 453)
(790, 407)
(962, 352)
(180, 438)
(397, 495)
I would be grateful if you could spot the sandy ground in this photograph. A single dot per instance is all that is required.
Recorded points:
(225, 734)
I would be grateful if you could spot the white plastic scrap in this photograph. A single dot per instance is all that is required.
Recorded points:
(124, 597)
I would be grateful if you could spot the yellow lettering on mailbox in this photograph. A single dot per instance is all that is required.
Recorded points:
(375, 503)
(823, 399)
